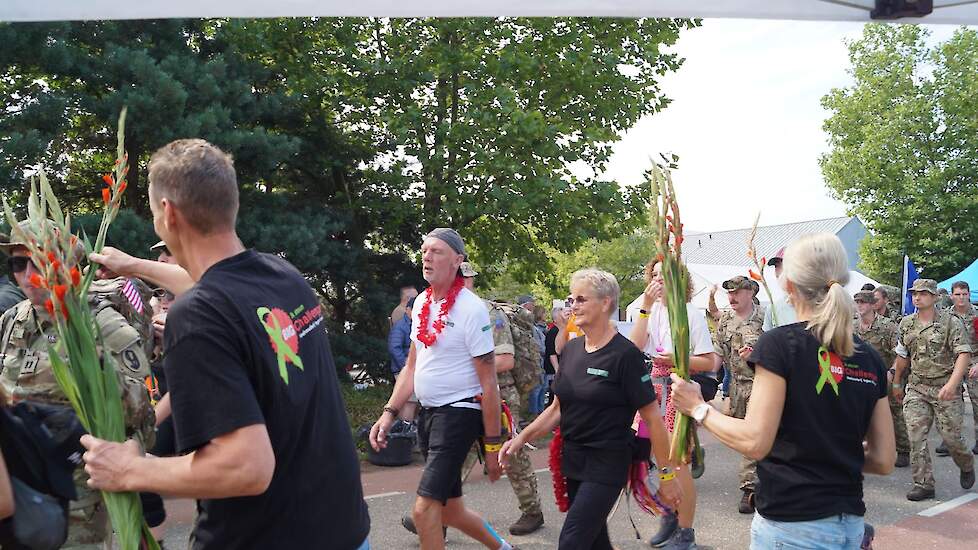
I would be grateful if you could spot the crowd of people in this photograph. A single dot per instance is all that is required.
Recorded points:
(230, 395)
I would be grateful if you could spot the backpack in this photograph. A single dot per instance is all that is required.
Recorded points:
(125, 295)
(526, 359)
(40, 446)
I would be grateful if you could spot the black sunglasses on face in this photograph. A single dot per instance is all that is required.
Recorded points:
(17, 263)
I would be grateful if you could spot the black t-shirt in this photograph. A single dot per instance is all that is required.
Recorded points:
(815, 467)
(247, 345)
(550, 348)
(599, 393)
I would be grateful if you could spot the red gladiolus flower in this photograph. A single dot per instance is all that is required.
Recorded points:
(59, 291)
(75, 276)
(106, 195)
(122, 186)
(49, 306)
(37, 281)
(51, 257)
(64, 310)
(763, 260)
(659, 257)
(108, 180)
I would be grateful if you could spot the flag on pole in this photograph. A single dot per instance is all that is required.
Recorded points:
(910, 275)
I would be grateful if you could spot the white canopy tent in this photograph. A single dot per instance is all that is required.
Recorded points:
(957, 12)
(707, 275)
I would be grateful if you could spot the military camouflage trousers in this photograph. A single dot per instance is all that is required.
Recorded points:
(88, 519)
(899, 425)
(520, 473)
(921, 408)
(740, 390)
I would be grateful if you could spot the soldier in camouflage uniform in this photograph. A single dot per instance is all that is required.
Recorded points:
(738, 330)
(881, 333)
(520, 473)
(888, 302)
(26, 331)
(935, 347)
(961, 294)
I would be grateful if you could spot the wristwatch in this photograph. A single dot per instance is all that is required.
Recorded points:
(700, 412)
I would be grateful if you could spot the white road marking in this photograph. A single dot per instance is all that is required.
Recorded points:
(382, 495)
(949, 505)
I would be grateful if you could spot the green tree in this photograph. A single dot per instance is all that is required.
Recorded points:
(352, 137)
(904, 148)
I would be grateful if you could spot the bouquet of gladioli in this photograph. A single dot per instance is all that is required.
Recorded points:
(87, 377)
(759, 265)
(667, 229)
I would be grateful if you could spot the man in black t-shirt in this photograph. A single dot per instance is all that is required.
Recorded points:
(255, 400)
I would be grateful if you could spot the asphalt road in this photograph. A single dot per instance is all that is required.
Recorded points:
(390, 493)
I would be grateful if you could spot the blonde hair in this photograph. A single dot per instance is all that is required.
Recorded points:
(818, 268)
(605, 284)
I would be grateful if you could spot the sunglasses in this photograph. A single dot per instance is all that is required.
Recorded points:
(17, 264)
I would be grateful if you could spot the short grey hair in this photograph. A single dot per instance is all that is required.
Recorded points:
(605, 284)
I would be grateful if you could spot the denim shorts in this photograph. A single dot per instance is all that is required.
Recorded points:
(839, 532)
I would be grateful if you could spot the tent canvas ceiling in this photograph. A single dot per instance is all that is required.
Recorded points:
(945, 11)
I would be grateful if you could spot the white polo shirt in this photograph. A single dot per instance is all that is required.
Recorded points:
(660, 337)
(445, 372)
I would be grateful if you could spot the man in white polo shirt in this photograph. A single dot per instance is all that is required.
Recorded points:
(451, 368)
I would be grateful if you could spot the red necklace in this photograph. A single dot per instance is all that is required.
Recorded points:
(425, 336)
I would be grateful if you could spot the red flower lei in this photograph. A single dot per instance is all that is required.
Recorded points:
(425, 336)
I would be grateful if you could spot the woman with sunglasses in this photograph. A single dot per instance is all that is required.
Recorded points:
(601, 383)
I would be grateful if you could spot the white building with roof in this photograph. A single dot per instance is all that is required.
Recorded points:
(730, 247)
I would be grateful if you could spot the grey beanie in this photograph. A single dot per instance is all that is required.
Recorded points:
(450, 237)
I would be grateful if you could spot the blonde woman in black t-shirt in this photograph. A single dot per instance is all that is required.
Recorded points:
(818, 416)
(601, 383)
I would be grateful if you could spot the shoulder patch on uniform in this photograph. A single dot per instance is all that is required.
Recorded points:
(499, 322)
(130, 360)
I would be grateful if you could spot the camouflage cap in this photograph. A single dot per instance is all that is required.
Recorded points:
(734, 284)
(525, 299)
(467, 270)
(9, 242)
(924, 285)
(865, 296)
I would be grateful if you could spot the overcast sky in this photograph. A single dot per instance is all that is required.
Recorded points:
(746, 121)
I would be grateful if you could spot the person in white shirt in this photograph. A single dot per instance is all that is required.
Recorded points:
(451, 368)
(651, 334)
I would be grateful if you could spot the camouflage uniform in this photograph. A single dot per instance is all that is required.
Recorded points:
(968, 319)
(26, 374)
(520, 472)
(733, 334)
(882, 335)
(932, 349)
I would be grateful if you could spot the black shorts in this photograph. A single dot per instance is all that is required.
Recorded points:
(445, 435)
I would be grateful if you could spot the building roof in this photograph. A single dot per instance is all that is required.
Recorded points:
(730, 247)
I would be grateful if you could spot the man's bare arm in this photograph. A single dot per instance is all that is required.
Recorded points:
(169, 276)
(239, 463)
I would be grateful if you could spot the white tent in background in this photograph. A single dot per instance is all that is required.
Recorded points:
(707, 275)
(956, 12)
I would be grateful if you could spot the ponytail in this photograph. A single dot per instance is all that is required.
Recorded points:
(818, 268)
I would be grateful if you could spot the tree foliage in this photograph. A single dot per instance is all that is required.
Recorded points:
(904, 148)
(351, 137)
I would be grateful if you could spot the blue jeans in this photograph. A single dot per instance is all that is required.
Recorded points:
(839, 532)
(538, 395)
(365, 545)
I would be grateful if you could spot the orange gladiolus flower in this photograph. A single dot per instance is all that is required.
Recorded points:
(659, 257)
(107, 178)
(64, 310)
(59, 291)
(52, 257)
(75, 276)
(49, 306)
(106, 195)
(754, 275)
(122, 186)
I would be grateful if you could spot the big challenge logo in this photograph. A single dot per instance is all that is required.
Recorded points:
(285, 330)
